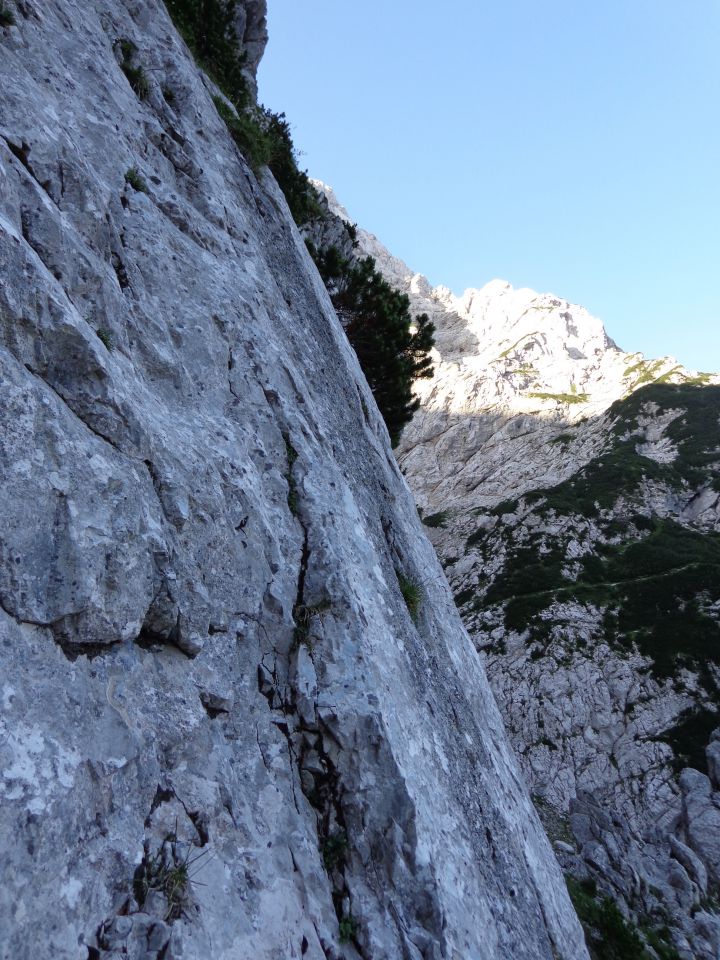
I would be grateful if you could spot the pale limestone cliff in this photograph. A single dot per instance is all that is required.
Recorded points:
(207, 666)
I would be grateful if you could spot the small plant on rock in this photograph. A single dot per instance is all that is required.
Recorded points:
(133, 178)
(334, 850)
(106, 337)
(136, 76)
(7, 17)
(169, 874)
(249, 134)
(303, 615)
(412, 594)
(348, 929)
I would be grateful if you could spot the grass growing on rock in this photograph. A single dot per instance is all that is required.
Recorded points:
(411, 593)
(105, 337)
(134, 73)
(335, 850)
(247, 132)
(292, 497)
(7, 17)
(135, 180)
(348, 929)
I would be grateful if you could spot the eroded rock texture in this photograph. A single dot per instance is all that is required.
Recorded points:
(223, 735)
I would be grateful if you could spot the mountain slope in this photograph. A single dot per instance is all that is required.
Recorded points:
(572, 492)
(223, 733)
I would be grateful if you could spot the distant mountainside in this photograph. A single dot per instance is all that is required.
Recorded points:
(572, 491)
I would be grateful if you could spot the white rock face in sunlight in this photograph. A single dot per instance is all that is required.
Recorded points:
(513, 369)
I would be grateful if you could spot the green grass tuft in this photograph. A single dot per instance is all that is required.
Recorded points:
(133, 178)
(348, 929)
(335, 850)
(134, 73)
(412, 594)
(106, 337)
(247, 131)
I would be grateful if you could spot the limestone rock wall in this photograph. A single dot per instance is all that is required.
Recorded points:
(223, 735)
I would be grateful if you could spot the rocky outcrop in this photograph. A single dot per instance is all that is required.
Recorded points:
(223, 733)
(571, 491)
(250, 22)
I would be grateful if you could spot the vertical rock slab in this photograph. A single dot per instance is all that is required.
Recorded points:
(223, 734)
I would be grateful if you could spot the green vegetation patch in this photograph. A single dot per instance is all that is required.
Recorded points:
(598, 485)
(621, 469)
(105, 337)
(465, 596)
(654, 586)
(506, 353)
(411, 593)
(609, 936)
(292, 497)
(696, 433)
(505, 506)
(7, 17)
(134, 72)
(436, 519)
(348, 929)
(687, 739)
(645, 371)
(335, 850)
(208, 29)
(560, 397)
(700, 380)
(263, 137)
(248, 133)
(135, 180)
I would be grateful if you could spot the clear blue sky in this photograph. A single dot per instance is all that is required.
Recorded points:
(572, 146)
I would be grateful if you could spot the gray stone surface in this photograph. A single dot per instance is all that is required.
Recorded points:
(221, 729)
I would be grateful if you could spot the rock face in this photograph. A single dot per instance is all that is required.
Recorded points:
(573, 494)
(251, 31)
(223, 735)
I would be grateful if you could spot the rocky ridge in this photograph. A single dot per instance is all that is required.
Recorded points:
(223, 733)
(572, 491)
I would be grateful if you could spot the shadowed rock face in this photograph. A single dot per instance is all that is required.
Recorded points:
(572, 492)
(223, 735)
(251, 30)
